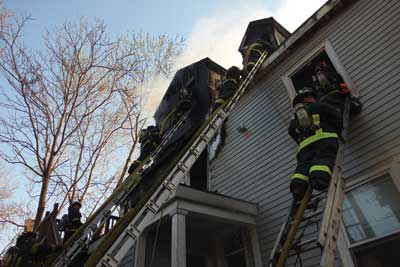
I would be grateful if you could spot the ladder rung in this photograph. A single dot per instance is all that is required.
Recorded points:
(313, 214)
(169, 186)
(213, 125)
(133, 232)
(153, 207)
(93, 227)
(182, 167)
(109, 262)
(306, 242)
(194, 151)
(204, 138)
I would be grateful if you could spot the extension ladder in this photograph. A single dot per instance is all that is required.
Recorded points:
(81, 239)
(116, 245)
(323, 208)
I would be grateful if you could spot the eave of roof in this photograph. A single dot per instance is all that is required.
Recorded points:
(322, 15)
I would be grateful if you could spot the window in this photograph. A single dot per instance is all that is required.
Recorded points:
(234, 250)
(385, 254)
(305, 73)
(371, 217)
(372, 210)
(308, 76)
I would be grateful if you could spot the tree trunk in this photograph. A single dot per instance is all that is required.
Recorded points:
(42, 200)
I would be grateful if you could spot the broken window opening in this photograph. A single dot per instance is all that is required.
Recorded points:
(217, 143)
(317, 74)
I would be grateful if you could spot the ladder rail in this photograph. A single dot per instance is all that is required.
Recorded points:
(82, 237)
(282, 233)
(287, 245)
(126, 240)
(330, 219)
(140, 220)
(332, 215)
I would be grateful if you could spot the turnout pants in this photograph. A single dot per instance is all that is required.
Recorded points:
(315, 164)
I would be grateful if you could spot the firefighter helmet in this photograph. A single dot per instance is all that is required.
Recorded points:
(26, 238)
(142, 135)
(301, 94)
(148, 133)
(75, 204)
(233, 73)
(153, 131)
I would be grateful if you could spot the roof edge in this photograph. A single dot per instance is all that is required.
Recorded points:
(312, 22)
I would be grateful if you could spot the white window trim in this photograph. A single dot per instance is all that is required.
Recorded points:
(395, 171)
(344, 247)
(333, 57)
(392, 168)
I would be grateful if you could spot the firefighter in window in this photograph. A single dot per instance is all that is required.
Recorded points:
(149, 140)
(228, 87)
(330, 89)
(315, 128)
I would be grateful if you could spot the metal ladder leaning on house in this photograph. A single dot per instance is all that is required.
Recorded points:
(302, 215)
(134, 222)
(80, 240)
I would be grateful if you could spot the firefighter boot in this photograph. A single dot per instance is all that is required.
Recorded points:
(298, 188)
(319, 183)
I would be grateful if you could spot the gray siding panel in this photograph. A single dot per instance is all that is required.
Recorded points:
(366, 38)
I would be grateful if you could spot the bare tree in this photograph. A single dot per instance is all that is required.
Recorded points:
(12, 213)
(66, 109)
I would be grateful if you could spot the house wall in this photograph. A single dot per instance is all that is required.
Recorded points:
(256, 166)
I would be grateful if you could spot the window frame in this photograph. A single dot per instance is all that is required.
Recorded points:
(333, 57)
(348, 250)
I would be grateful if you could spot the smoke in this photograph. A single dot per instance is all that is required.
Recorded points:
(218, 36)
(292, 13)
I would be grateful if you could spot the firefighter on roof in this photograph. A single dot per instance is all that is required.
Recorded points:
(315, 127)
(71, 222)
(229, 86)
(149, 140)
(28, 251)
(185, 103)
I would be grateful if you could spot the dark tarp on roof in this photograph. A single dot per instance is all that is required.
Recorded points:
(198, 78)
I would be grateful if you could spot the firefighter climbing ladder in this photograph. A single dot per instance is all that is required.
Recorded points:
(302, 215)
(95, 222)
(128, 237)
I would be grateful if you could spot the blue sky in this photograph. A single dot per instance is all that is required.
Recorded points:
(212, 28)
(156, 16)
